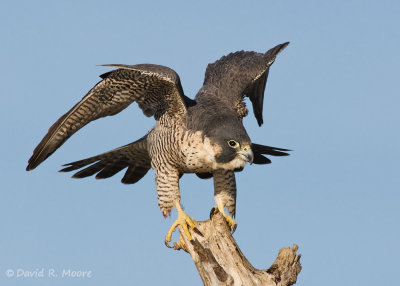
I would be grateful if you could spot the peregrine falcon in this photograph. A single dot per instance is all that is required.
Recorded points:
(204, 135)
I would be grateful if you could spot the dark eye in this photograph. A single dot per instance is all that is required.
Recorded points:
(233, 143)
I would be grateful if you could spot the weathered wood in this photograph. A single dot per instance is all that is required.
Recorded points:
(219, 260)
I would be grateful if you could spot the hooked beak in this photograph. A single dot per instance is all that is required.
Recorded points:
(246, 153)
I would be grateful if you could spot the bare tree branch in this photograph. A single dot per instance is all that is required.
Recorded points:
(219, 260)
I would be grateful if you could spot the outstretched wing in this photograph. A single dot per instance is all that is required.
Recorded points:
(156, 89)
(242, 74)
(133, 156)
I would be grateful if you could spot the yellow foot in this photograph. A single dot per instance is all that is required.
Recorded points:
(183, 220)
(228, 218)
(180, 244)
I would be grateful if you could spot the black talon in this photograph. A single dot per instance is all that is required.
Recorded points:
(196, 230)
(167, 244)
(212, 212)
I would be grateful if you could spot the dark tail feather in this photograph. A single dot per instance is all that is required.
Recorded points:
(134, 174)
(133, 156)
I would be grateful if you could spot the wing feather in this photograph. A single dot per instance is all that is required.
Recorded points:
(156, 89)
(260, 150)
(241, 74)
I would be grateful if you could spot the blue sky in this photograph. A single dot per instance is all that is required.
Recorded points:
(332, 96)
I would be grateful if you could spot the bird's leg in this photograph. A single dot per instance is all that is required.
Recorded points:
(183, 220)
(225, 195)
(167, 180)
(220, 207)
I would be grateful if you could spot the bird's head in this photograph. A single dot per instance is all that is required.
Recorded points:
(234, 145)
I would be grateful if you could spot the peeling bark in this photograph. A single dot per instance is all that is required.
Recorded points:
(219, 260)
